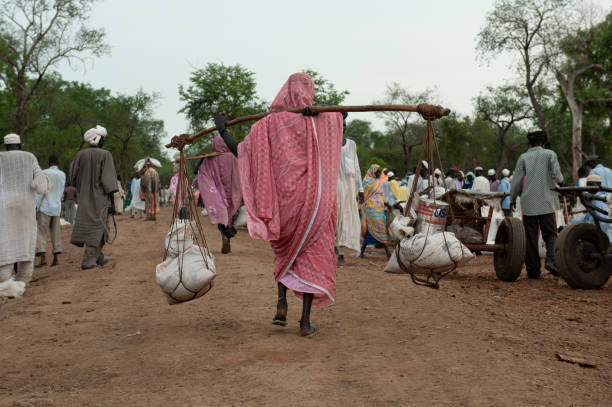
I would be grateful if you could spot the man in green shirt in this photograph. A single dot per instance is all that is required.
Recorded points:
(537, 171)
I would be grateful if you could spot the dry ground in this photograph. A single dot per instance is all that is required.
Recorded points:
(107, 337)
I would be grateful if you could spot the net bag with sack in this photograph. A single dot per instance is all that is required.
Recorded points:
(432, 252)
(188, 268)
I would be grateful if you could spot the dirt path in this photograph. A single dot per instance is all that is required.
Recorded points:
(107, 337)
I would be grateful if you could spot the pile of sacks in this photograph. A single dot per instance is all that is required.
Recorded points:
(424, 249)
(189, 270)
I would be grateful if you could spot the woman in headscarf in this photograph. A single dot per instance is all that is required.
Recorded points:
(373, 225)
(289, 167)
(219, 185)
(469, 180)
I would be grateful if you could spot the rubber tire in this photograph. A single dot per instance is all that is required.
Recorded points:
(567, 256)
(508, 265)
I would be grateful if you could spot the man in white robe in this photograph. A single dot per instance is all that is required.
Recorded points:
(137, 205)
(20, 178)
(349, 191)
(481, 183)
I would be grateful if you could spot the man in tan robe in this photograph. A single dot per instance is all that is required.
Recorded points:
(93, 174)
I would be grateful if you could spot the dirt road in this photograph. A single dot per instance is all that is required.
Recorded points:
(107, 337)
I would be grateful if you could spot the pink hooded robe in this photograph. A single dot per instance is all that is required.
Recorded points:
(289, 170)
(219, 184)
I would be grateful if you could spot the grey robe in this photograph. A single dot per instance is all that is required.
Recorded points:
(93, 174)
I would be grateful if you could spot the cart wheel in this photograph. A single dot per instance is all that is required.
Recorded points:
(573, 250)
(509, 263)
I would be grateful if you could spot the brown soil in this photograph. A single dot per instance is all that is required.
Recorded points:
(107, 336)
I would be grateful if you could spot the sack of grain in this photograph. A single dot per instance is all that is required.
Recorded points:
(434, 251)
(187, 276)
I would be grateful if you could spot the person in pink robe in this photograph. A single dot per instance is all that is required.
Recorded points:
(219, 184)
(289, 166)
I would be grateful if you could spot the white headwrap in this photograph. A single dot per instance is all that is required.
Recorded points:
(425, 164)
(505, 172)
(491, 172)
(12, 139)
(93, 136)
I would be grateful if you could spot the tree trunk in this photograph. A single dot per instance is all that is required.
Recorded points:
(503, 159)
(407, 152)
(537, 108)
(576, 140)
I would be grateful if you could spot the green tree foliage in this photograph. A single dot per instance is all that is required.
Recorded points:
(402, 124)
(325, 91)
(60, 112)
(219, 88)
(526, 29)
(35, 36)
(505, 108)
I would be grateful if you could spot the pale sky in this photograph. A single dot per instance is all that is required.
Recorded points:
(359, 45)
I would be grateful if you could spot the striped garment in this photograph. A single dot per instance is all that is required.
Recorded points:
(374, 217)
(541, 171)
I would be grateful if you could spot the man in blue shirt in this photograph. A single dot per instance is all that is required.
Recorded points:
(594, 167)
(504, 187)
(595, 180)
(48, 211)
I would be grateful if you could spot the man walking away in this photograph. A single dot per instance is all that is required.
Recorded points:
(594, 167)
(20, 178)
(70, 201)
(93, 174)
(494, 182)
(481, 183)
(49, 209)
(540, 169)
(349, 192)
(504, 187)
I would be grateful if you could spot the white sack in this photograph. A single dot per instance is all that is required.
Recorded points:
(241, 219)
(12, 288)
(140, 163)
(196, 278)
(496, 220)
(180, 239)
(436, 251)
(541, 247)
(401, 227)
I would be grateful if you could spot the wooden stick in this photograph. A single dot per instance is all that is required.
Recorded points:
(430, 110)
(567, 218)
(209, 155)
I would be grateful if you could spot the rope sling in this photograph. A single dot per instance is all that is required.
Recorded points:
(185, 214)
(429, 146)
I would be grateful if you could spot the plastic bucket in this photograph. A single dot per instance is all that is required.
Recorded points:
(431, 216)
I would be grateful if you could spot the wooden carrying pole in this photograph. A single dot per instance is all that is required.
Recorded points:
(179, 142)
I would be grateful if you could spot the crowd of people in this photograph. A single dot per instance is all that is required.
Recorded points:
(301, 184)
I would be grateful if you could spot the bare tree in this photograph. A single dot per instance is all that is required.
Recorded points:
(504, 107)
(525, 27)
(402, 122)
(36, 35)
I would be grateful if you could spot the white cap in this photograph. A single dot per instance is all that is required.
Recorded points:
(491, 172)
(505, 172)
(437, 171)
(12, 139)
(479, 168)
(390, 174)
(425, 164)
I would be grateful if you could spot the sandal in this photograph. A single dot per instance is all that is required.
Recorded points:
(281, 317)
(309, 334)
